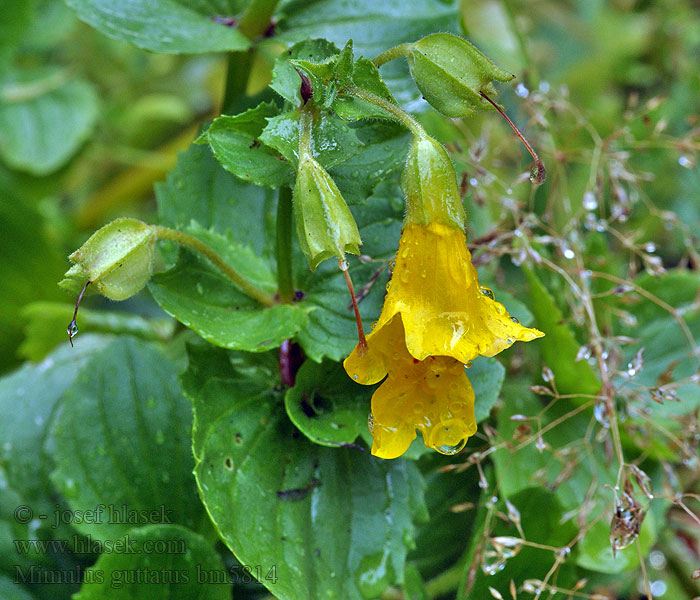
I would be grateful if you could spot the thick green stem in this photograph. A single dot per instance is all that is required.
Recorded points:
(285, 283)
(239, 64)
(165, 233)
(391, 54)
(400, 115)
(257, 18)
(253, 23)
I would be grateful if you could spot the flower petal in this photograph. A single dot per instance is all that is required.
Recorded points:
(444, 310)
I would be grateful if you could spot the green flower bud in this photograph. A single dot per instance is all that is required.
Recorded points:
(450, 72)
(117, 260)
(325, 226)
(430, 185)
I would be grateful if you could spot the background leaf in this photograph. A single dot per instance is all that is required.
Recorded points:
(136, 453)
(174, 563)
(44, 119)
(235, 141)
(164, 25)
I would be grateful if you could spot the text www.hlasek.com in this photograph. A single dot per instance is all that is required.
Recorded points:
(89, 545)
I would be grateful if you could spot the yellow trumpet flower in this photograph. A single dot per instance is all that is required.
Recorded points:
(436, 318)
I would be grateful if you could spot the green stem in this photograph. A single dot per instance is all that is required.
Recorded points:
(165, 233)
(285, 283)
(306, 121)
(253, 23)
(237, 75)
(257, 18)
(400, 115)
(391, 54)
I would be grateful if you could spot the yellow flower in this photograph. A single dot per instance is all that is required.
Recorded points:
(433, 396)
(436, 317)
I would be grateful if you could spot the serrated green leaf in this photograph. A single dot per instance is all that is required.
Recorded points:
(135, 454)
(186, 567)
(559, 347)
(285, 80)
(367, 77)
(164, 25)
(372, 26)
(44, 119)
(204, 300)
(29, 399)
(236, 145)
(326, 405)
(335, 522)
(333, 141)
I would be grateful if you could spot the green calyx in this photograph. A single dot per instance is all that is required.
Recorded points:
(325, 226)
(117, 260)
(430, 185)
(450, 72)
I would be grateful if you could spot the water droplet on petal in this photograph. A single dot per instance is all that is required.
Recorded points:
(370, 422)
(515, 320)
(487, 292)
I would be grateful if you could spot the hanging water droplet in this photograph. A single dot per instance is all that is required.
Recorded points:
(473, 181)
(487, 292)
(650, 247)
(355, 376)
(684, 161)
(449, 450)
(370, 422)
(589, 201)
(72, 329)
(568, 252)
(388, 285)
(392, 265)
(522, 91)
